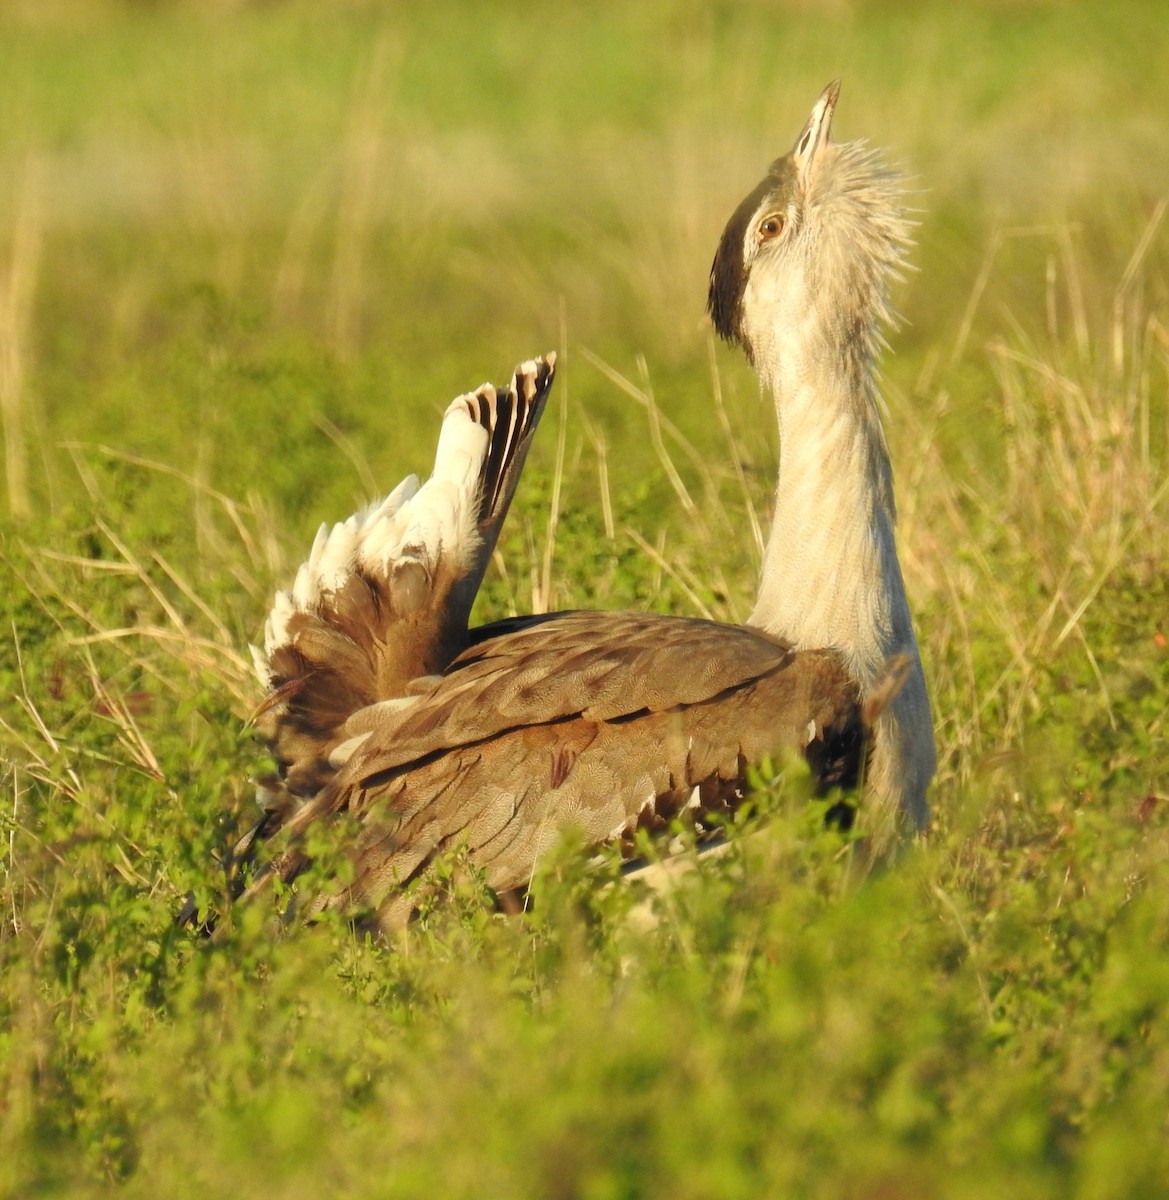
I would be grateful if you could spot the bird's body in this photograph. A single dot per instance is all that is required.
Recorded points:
(382, 704)
(598, 722)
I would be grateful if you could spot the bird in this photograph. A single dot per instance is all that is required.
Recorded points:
(800, 281)
(384, 709)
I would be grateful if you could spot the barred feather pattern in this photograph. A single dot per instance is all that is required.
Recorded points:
(384, 598)
(601, 722)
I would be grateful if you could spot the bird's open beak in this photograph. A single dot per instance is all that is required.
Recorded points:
(816, 132)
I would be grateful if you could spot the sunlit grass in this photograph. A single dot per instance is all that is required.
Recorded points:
(245, 261)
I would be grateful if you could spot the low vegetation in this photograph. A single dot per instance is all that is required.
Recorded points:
(245, 260)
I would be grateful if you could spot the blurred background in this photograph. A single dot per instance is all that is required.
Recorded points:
(221, 222)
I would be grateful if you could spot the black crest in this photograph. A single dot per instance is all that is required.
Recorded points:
(728, 272)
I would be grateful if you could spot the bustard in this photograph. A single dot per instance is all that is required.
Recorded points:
(383, 705)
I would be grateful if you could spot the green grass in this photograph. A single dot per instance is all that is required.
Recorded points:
(246, 257)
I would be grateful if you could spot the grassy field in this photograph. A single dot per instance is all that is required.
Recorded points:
(246, 257)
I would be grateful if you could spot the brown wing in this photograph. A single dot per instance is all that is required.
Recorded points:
(593, 721)
(601, 666)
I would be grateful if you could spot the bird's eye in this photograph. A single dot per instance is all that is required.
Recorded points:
(770, 227)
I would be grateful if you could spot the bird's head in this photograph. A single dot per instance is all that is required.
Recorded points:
(804, 263)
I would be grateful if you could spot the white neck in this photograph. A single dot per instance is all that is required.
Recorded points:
(830, 570)
(831, 576)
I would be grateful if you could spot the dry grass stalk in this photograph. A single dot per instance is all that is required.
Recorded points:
(18, 283)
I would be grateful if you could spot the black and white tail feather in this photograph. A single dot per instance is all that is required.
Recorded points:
(382, 602)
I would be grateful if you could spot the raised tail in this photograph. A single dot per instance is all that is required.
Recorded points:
(384, 597)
